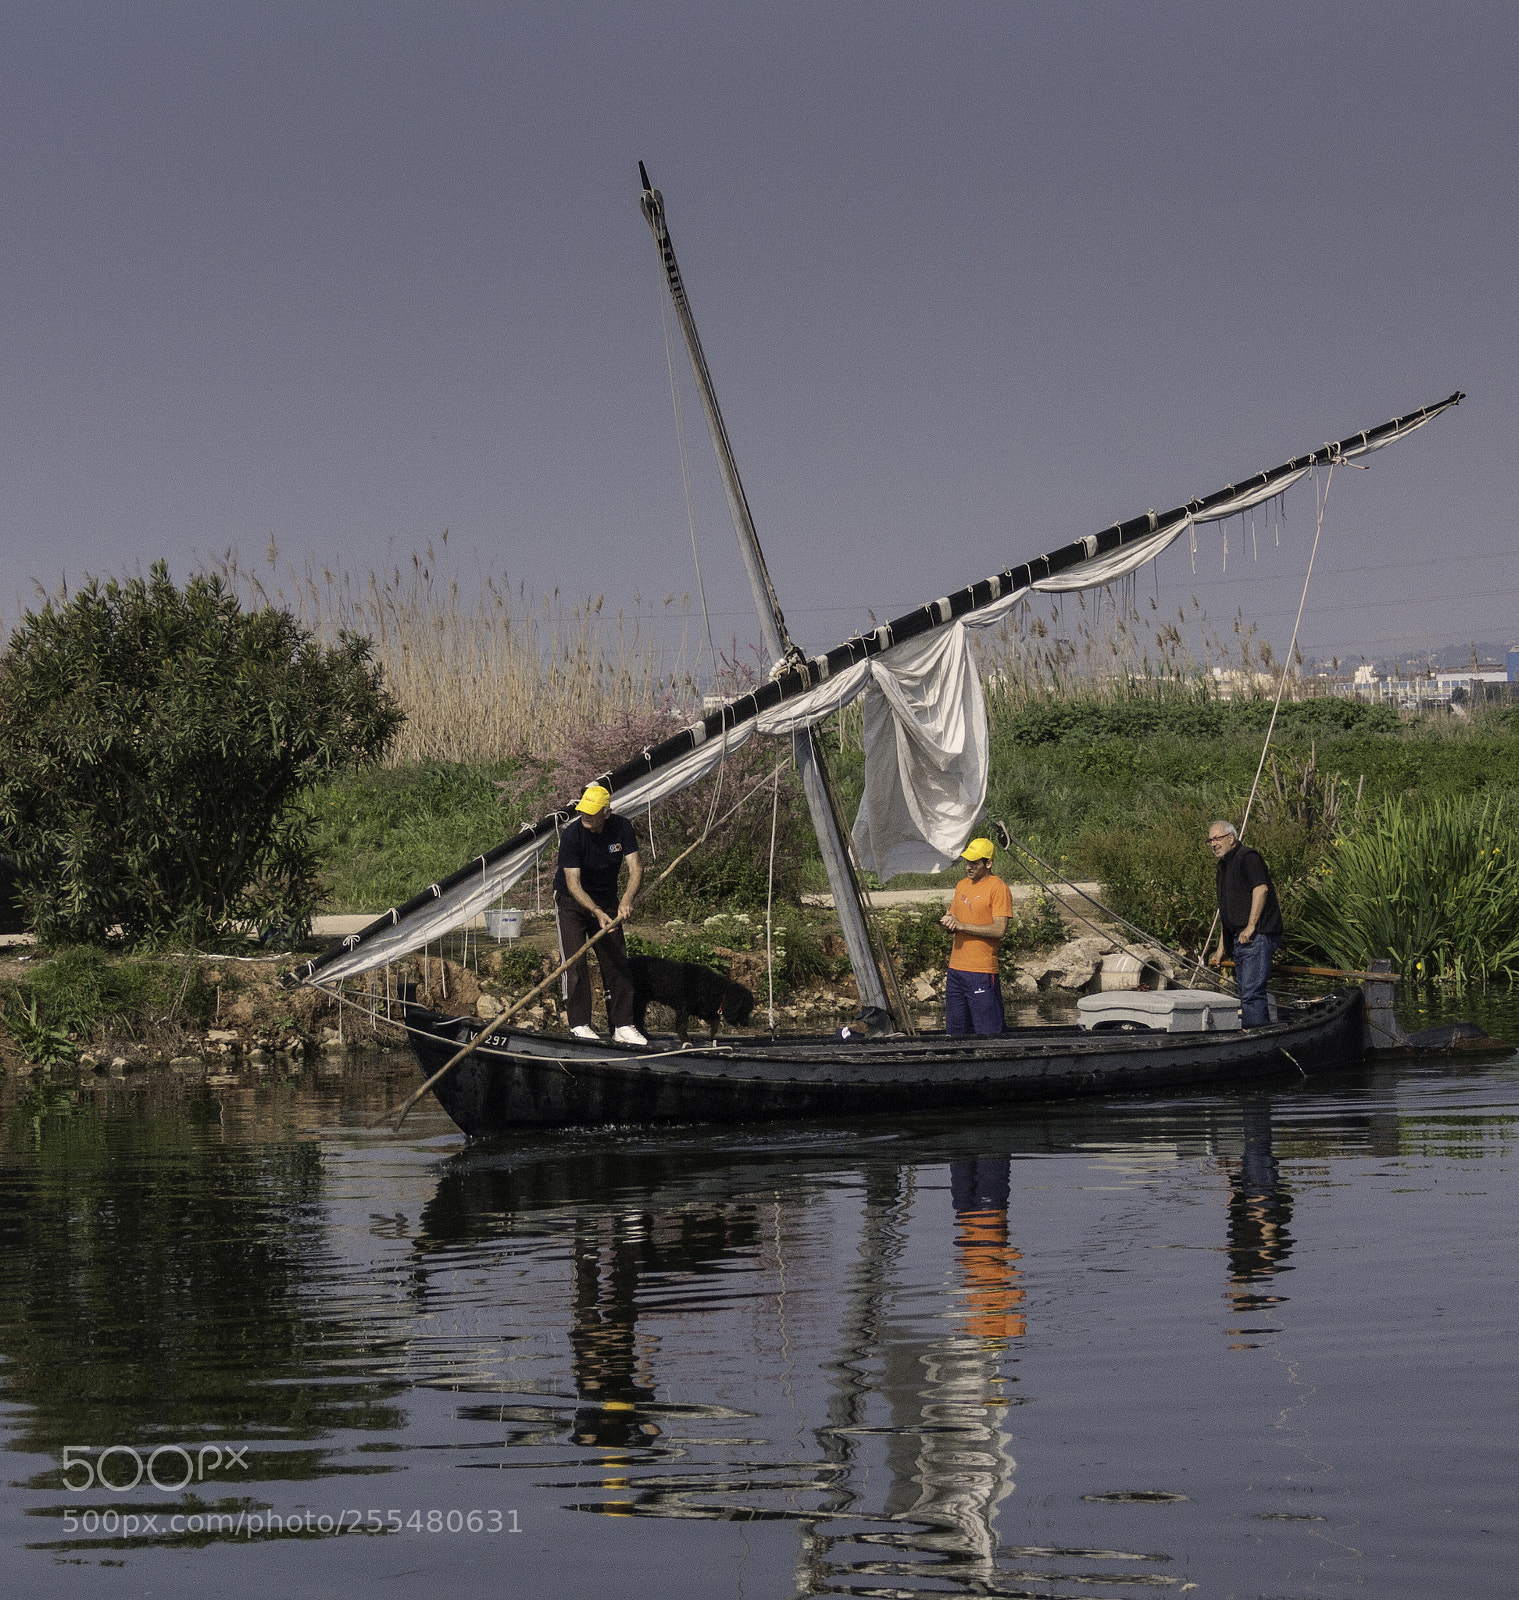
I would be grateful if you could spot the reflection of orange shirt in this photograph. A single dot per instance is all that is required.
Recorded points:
(988, 1264)
(978, 903)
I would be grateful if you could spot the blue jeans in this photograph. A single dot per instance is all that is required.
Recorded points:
(973, 1003)
(1252, 969)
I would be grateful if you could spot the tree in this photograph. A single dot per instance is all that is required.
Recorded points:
(154, 746)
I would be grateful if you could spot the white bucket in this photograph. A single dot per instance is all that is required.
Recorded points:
(503, 924)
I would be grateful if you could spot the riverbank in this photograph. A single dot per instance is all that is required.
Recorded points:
(95, 1011)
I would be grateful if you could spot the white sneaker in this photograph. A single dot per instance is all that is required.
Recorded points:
(587, 1033)
(628, 1034)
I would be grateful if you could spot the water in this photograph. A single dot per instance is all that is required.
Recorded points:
(1255, 1345)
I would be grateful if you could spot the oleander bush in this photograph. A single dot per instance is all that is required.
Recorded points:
(155, 744)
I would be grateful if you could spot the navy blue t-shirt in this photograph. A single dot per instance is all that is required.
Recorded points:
(598, 855)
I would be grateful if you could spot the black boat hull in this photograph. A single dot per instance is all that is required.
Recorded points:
(532, 1080)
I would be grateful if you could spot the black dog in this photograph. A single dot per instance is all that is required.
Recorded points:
(690, 990)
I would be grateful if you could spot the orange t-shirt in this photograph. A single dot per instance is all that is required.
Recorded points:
(978, 903)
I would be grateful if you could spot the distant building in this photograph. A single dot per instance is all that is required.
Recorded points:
(1465, 678)
(1513, 666)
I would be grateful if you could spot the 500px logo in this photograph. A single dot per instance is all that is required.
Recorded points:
(162, 1466)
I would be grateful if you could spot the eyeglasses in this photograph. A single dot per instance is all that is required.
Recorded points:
(1220, 838)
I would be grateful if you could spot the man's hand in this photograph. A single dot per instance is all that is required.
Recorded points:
(951, 921)
(605, 918)
(1244, 936)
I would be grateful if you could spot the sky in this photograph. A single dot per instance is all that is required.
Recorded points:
(973, 280)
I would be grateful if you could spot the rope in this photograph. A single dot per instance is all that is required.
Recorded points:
(1322, 501)
(1146, 939)
(685, 475)
(775, 805)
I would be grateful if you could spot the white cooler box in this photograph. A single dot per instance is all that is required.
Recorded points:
(1161, 1010)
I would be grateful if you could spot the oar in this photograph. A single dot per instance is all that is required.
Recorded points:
(1333, 972)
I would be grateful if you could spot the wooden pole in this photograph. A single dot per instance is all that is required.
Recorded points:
(1334, 972)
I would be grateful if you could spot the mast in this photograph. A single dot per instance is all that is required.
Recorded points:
(783, 653)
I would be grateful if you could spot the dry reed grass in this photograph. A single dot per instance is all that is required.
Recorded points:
(1113, 644)
(499, 675)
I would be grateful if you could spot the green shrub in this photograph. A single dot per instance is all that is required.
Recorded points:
(154, 744)
(799, 953)
(1078, 720)
(1039, 927)
(681, 946)
(918, 940)
(735, 930)
(40, 1041)
(1435, 887)
(520, 966)
(1161, 876)
(67, 998)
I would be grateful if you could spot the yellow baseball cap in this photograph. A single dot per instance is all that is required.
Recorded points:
(977, 850)
(594, 800)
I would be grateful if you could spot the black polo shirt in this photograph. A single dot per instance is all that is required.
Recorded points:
(1239, 873)
(599, 857)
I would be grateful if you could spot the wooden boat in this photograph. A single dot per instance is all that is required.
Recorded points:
(916, 821)
(527, 1080)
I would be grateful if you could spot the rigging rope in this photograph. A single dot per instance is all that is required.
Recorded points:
(1146, 939)
(685, 475)
(701, 586)
(775, 805)
(1322, 501)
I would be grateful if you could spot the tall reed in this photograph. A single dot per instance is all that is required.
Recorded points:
(1114, 643)
(1435, 887)
(489, 677)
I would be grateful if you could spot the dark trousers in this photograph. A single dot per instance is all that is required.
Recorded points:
(1252, 969)
(576, 925)
(973, 1002)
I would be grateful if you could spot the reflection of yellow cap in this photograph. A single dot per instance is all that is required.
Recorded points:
(594, 799)
(977, 850)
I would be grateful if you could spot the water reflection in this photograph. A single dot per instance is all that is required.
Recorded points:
(950, 1460)
(917, 1359)
(162, 1285)
(1260, 1209)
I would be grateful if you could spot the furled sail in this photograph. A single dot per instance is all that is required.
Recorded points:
(926, 742)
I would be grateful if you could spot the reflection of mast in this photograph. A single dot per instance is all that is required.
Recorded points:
(882, 1237)
(951, 1463)
(1260, 1210)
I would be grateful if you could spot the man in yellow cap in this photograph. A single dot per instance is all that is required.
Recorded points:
(592, 851)
(977, 917)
